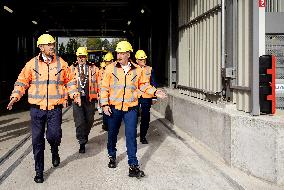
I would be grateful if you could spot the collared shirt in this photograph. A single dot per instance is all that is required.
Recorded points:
(126, 68)
(46, 59)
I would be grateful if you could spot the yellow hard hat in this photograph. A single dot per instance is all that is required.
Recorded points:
(82, 51)
(45, 39)
(140, 54)
(108, 57)
(123, 46)
(103, 64)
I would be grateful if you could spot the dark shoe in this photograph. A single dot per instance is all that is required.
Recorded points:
(82, 149)
(87, 139)
(104, 127)
(112, 162)
(143, 140)
(134, 171)
(55, 160)
(39, 177)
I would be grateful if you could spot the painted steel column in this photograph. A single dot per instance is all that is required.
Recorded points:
(258, 33)
(255, 60)
(223, 36)
(172, 78)
(262, 5)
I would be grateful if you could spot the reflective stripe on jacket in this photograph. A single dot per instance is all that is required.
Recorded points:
(120, 89)
(93, 79)
(46, 83)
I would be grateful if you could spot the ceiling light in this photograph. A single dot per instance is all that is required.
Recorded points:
(124, 31)
(142, 11)
(129, 22)
(8, 9)
(34, 22)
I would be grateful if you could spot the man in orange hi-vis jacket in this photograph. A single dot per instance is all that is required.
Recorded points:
(47, 77)
(87, 76)
(119, 97)
(145, 101)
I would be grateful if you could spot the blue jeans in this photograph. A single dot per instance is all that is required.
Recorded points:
(145, 104)
(53, 118)
(130, 121)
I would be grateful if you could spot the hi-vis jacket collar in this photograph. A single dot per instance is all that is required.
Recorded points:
(132, 65)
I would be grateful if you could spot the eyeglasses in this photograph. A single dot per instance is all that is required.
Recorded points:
(82, 56)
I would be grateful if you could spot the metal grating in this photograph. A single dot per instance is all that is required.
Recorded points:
(275, 46)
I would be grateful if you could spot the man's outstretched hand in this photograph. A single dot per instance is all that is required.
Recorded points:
(161, 94)
(11, 103)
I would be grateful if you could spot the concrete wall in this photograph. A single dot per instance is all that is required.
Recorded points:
(252, 144)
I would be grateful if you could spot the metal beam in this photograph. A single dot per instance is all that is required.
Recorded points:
(85, 3)
(82, 30)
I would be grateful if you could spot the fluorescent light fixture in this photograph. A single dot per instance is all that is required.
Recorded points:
(129, 22)
(34, 22)
(142, 11)
(8, 9)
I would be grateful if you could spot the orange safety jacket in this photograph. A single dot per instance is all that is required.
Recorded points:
(121, 90)
(46, 82)
(148, 71)
(93, 79)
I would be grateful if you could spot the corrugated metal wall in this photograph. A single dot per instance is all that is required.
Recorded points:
(274, 6)
(242, 51)
(199, 51)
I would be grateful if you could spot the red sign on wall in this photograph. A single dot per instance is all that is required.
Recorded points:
(262, 3)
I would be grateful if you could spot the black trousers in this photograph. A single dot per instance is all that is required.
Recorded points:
(145, 105)
(84, 119)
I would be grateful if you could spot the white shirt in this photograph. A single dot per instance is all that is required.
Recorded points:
(126, 68)
(46, 59)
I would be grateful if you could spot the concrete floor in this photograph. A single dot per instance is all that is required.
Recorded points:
(172, 160)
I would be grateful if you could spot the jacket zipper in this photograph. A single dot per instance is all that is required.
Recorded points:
(123, 91)
(47, 83)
